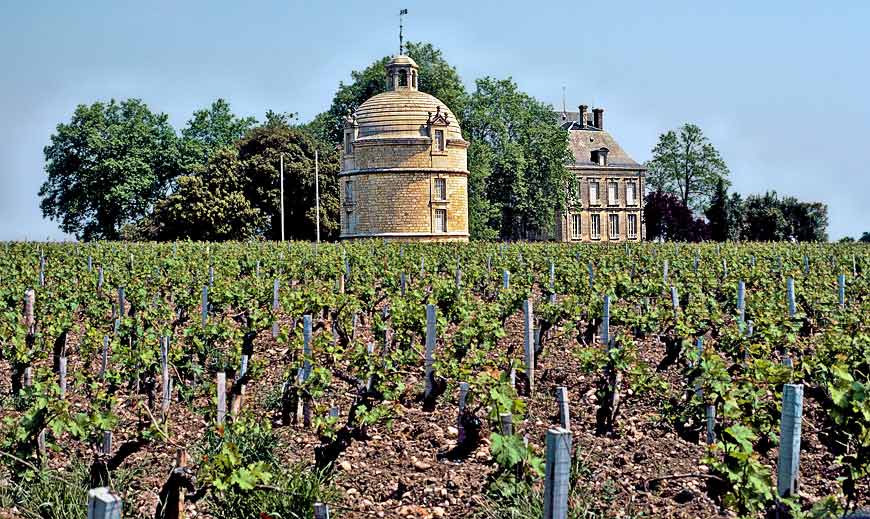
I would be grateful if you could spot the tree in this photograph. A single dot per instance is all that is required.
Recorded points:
(807, 221)
(209, 130)
(688, 165)
(865, 238)
(763, 219)
(436, 77)
(517, 174)
(237, 195)
(724, 214)
(209, 205)
(769, 218)
(260, 156)
(667, 218)
(107, 167)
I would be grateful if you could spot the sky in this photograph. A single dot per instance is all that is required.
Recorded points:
(780, 88)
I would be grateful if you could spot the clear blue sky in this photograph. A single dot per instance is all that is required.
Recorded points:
(781, 88)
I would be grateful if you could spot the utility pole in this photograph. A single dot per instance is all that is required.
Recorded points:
(317, 194)
(282, 197)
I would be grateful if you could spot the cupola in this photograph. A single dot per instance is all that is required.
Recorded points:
(401, 74)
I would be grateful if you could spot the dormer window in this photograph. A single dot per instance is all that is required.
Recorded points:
(348, 143)
(439, 140)
(599, 157)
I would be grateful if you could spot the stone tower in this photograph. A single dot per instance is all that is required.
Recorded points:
(404, 167)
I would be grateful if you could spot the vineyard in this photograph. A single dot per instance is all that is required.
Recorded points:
(411, 380)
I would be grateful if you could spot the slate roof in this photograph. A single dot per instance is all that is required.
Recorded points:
(583, 141)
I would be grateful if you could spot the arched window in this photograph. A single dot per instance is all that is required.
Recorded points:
(414, 79)
(403, 78)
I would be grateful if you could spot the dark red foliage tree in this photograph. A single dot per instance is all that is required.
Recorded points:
(668, 218)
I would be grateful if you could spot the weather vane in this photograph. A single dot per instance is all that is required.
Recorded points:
(402, 13)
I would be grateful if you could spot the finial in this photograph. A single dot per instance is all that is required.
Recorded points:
(402, 13)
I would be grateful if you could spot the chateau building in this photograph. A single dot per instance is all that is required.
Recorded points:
(404, 167)
(611, 184)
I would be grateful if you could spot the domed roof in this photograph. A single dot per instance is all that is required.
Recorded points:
(403, 113)
(401, 59)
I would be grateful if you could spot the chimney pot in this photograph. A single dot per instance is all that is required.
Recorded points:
(598, 118)
(582, 117)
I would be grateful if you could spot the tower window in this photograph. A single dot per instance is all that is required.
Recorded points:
(439, 140)
(440, 220)
(632, 226)
(348, 193)
(413, 79)
(403, 78)
(348, 144)
(630, 193)
(440, 189)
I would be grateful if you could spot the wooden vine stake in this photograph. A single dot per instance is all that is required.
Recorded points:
(463, 397)
(221, 397)
(204, 306)
(557, 473)
(62, 374)
(429, 359)
(122, 303)
(711, 424)
(305, 372)
(164, 376)
(605, 322)
(275, 306)
(564, 409)
(787, 469)
(841, 290)
(103, 504)
(552, 283)
(507, 424)
(321, 511)
(529, 343)
(104, 360)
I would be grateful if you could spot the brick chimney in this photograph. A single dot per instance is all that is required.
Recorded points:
(598, 118)
(582, 117)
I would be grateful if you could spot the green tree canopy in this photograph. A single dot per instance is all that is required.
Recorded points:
(208, 205)
(686, 163)
(209, 130)
(260, 156)
(237, 194)
(517, 174)
(770, 218)
(107, 167)
(436, 77)
(865, 238)
(724, 214)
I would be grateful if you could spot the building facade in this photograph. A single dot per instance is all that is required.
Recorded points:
(608, 206)
(404, 165)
